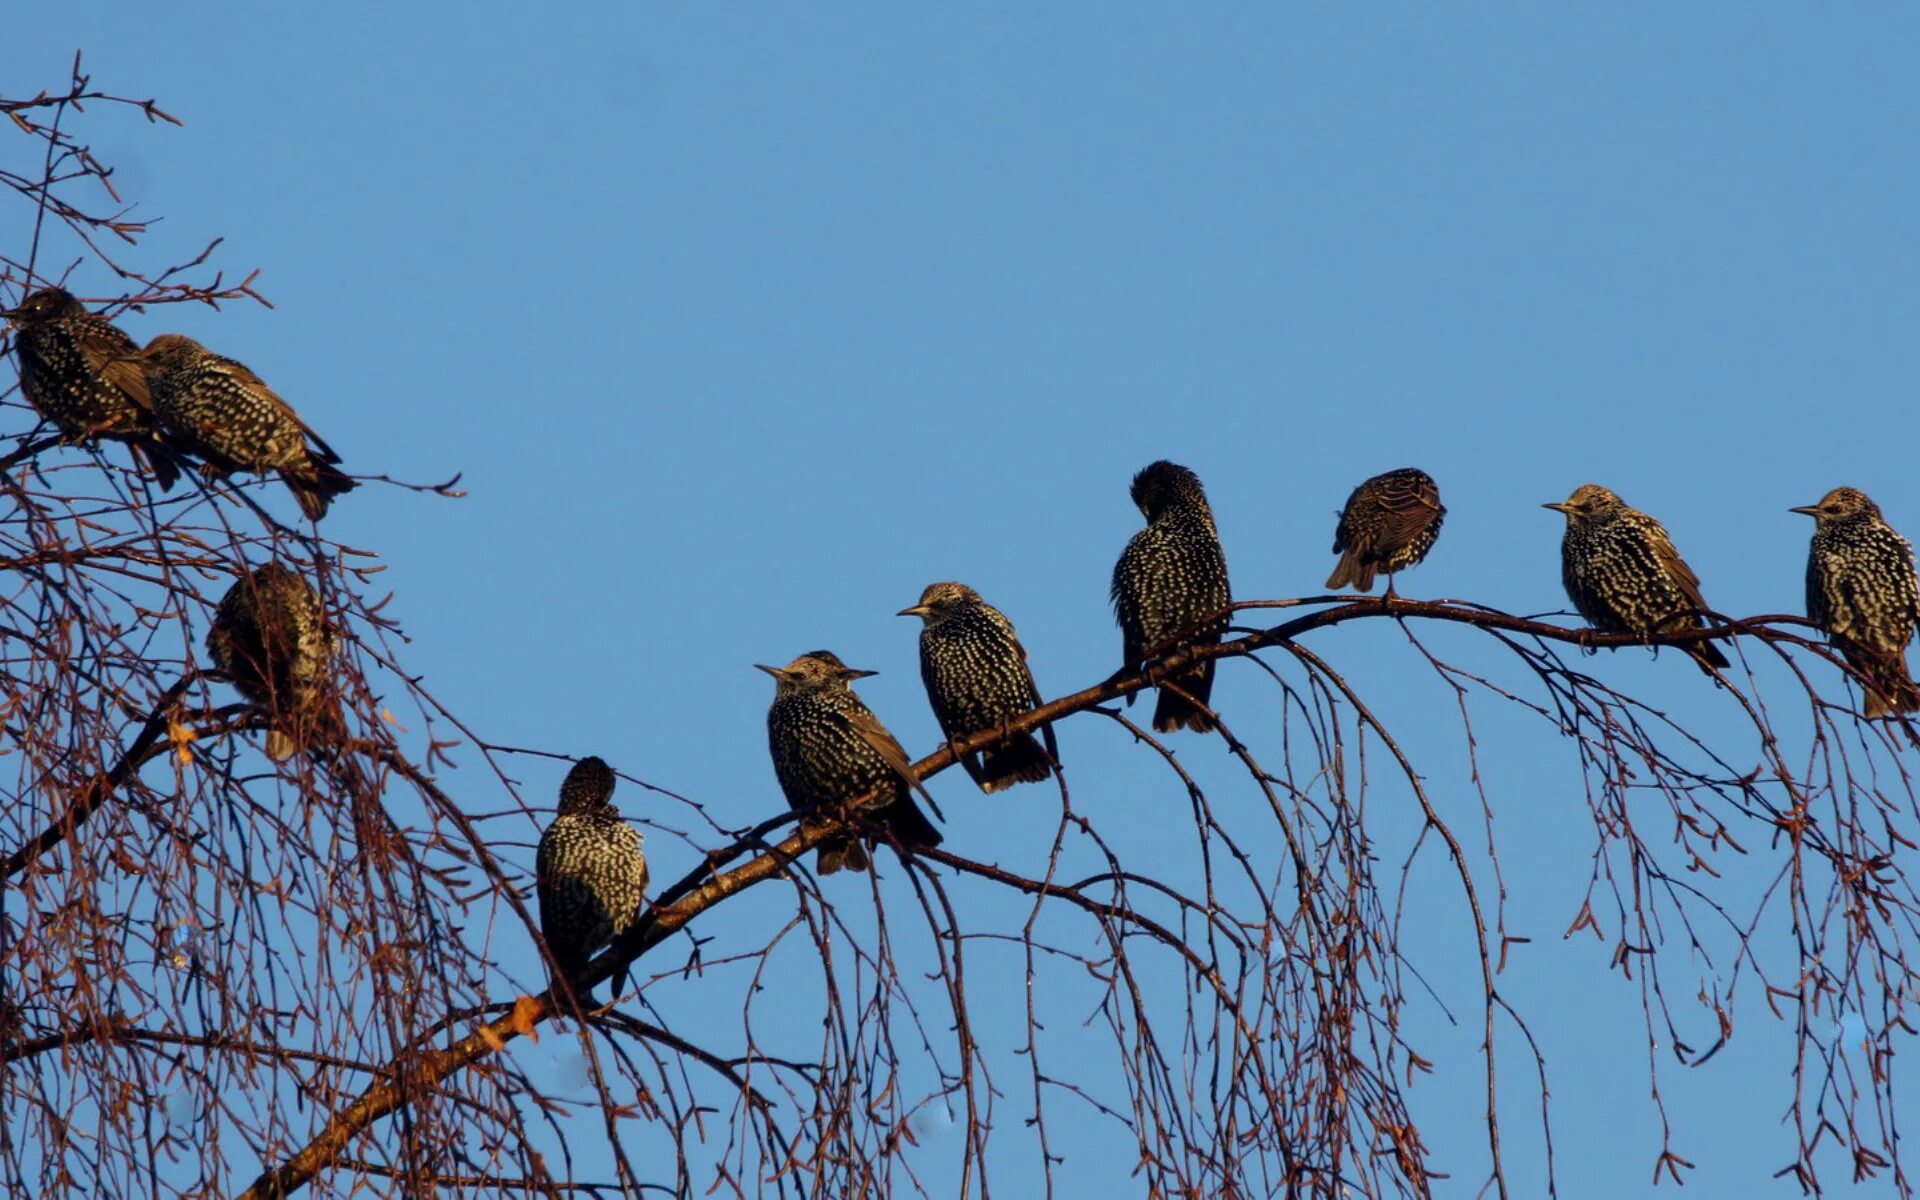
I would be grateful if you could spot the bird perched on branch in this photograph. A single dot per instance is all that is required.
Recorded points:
(829, 751)
(1862, 591)
(1389, 524)
(977, 680)
(270, 637)
(1170, 589)
(221, 411)
(80, 372)
(590, 871)
(1623, 574)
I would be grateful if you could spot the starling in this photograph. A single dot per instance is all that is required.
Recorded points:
(590, 870)
(1170, 589)
(1861, 589)
(1624, 575)
(270, 637)
(1390, 523)
(977, 679)
(220, 410)
(81, 373)
(829, 749)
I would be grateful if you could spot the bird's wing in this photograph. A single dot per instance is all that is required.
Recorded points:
(243, 375)
(874, 734)
(117, 360)
(1409, 507)
(1675, 567)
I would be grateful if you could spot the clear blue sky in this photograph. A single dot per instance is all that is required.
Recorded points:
(745, 324)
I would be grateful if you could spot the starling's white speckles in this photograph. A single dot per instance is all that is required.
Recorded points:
(590, 871)
(1170, 587)
(270, 637)
(977, 680)
(81, 373)
(221, 411)
(1389, 524)
(1624, 575)
(1861, 589)
(829, 750)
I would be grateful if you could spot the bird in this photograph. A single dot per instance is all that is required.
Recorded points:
(1389, 524)
(80, 372)
(1862, 591)
(829, 750)
(977, 680)
(1170, 589)
(221, 411)
(590, 871)
(270, 637)
(1623, 574)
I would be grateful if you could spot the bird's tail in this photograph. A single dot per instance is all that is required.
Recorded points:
(1176, 712)
(1708, 656)
(1019, 759)
(319, 726)
(164, 461)
(1352, 571)
(909, 826)
(1889, 687)
(842, 853)
(315, 484)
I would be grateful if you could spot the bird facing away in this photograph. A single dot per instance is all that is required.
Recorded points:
(977, 680)
(1389, 524)
(590, 870)
(221, 411)
(830, 750)
(1623, 574)
(1862, 591)
(270, 637)
(1170, 588)
(81, 373)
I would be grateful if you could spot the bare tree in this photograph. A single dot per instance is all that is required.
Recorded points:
(221, 974)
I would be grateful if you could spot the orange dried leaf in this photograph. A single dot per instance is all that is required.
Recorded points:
(526, 1011)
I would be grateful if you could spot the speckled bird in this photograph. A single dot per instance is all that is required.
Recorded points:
(270, 637)
(81, 373)
(1170, 588)
(590, 870)
(1624, 575)
(1862, 591)
(221, 411)
(1389, 524)
(977, 680)
(829, 749)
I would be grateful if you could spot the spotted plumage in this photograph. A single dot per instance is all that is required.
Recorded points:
(1389, 524)
(590, 871)
(1861, 589)
(1624, 575)
(221, 411)
(1170, 588)
(830, 750)
(977, 679)
(81, 373)
(270, 637)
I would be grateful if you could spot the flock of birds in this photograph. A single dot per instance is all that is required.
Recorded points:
(174, 402)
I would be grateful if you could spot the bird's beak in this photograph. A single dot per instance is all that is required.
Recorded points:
(13, 314)
(853, 674)
(918, 610)
(1807, 510)
(1558, 506)
(776, 672)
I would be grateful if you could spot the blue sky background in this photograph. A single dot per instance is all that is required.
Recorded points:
(745, 324)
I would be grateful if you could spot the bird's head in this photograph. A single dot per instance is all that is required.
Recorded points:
(1840, 504)
(1589, 502)
(817, 668)
(47, 304)
(171, 350)
(1164, 485)
(940, 601)
(587, 787)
